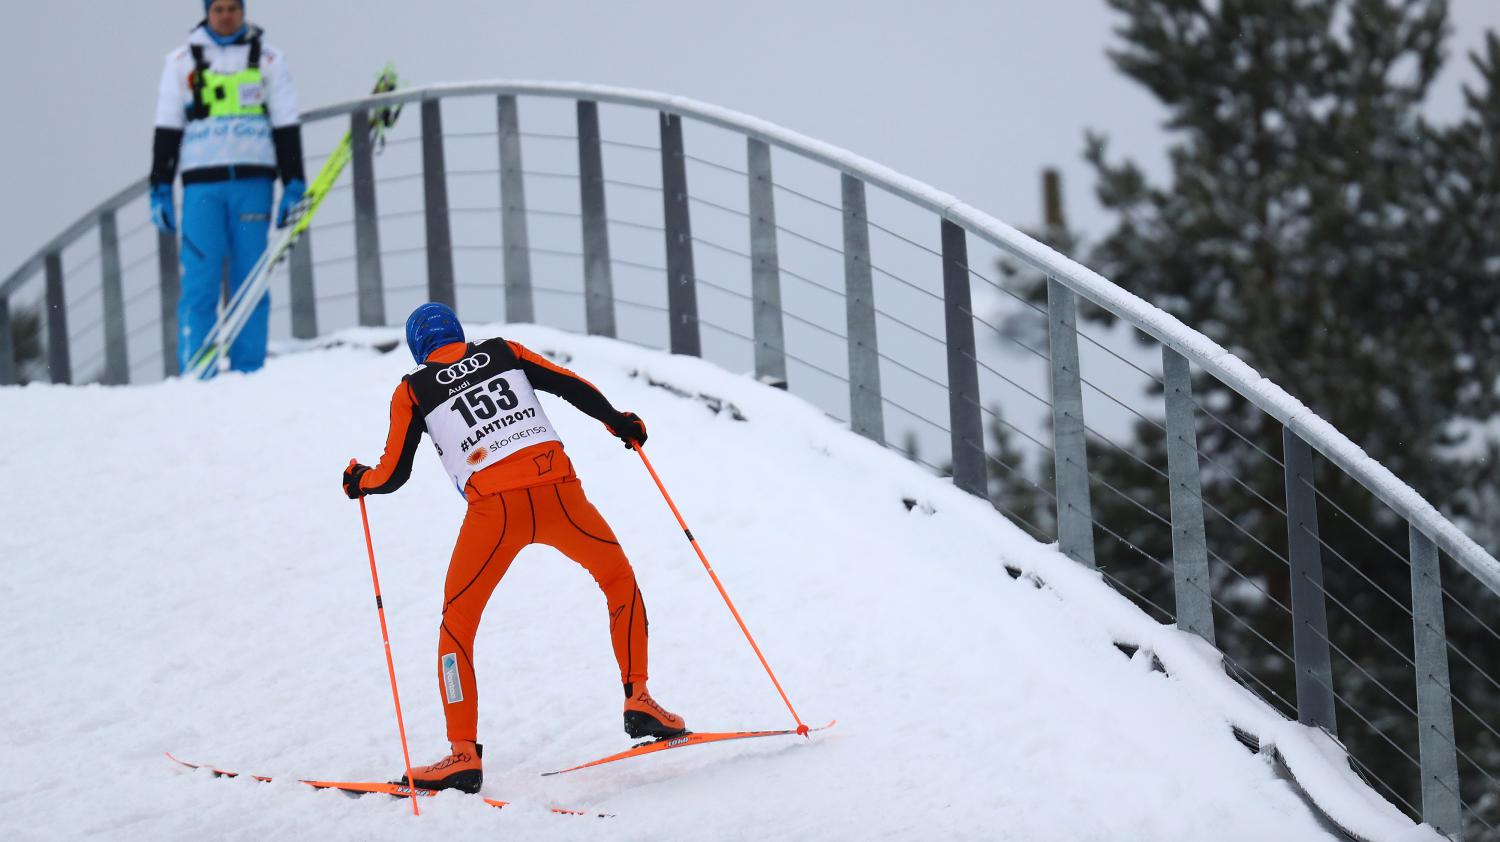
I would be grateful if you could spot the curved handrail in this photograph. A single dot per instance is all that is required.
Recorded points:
(1168, 330)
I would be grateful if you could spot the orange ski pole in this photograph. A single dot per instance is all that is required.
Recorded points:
(390, 665)
(802, 729)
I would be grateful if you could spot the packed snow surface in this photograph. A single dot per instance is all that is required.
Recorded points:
(182, 572)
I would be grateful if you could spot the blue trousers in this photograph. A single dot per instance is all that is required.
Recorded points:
(226, 220)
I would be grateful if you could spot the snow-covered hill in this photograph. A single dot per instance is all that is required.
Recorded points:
(180, 571)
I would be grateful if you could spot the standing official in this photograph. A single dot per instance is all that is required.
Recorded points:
(226, 117)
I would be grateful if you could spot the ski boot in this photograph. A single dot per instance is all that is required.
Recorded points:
(645, 718)
(460, 770)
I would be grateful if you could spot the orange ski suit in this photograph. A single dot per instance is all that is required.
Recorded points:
(530, 496)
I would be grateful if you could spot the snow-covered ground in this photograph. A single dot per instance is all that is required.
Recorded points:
(180, 571)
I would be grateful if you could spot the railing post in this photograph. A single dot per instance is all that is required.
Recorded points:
(304, 300)
(169, 277)
(116, 361)
(1195, 608)
(1075, 517)
(598, 283)
(514, 241)
(1315, 702)
(440, 287)
(682, 292)
(1441, 806)
(59, 361)
(866, 412)
(368, 274)
(965, 421)
(765, 267)
(9, 374)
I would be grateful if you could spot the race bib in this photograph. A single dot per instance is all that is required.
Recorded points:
(481, 424)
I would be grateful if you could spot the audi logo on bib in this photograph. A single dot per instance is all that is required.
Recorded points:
(463, 368)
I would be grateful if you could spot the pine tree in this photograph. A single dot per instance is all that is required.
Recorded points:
(1317, 227)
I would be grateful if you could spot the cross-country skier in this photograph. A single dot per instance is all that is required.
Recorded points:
(478, 403)
(226, 116)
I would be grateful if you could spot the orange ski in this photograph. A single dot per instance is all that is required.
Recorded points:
(358, 788)
(689, 739)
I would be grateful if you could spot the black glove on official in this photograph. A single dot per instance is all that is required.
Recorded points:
(351, 481)
(629, 428)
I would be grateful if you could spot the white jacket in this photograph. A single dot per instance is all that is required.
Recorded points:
(227, 140)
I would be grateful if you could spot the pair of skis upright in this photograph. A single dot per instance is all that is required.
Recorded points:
(204, 363)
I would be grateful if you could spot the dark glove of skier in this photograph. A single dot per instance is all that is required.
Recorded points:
(291, 194)
(162, 215)
(351, 481)
(629, 428)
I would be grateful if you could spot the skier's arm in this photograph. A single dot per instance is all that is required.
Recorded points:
(551, 377)
(401, 443)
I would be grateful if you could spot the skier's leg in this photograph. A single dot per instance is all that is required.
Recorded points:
(494, 530)
(576, 528)
(249, 221)
(205, 245)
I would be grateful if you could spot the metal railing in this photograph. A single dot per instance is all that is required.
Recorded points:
(854, 287)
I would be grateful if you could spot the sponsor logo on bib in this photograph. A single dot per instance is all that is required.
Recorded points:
(463, 368)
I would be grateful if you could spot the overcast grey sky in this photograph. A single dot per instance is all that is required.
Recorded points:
(971, 96)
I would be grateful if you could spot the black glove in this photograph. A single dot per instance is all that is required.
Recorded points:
(629, 428)
(351, 481)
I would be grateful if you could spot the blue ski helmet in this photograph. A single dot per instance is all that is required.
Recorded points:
(430, 327)
(207, 3)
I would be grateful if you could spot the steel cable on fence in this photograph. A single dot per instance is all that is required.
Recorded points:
(624, 144)
(1473, 811)
(1020, 474)
(903, 238)
(776, 185)
(1119, 583)
(1085, 381)
(133, 230)
(813, 241)
(1399, 556)
(1368, 774)
(1240, 674)
(137, 263)
(138, 329)
(719, 248)
(1163, 475)
(698, 200)
(1096, 343)
(1208, 593)
(142, 294)
(1450, 645)
(812, 283)
(784, 352)
(1470, 711)
(632, 185)
(1352, 566)
(715, 165)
